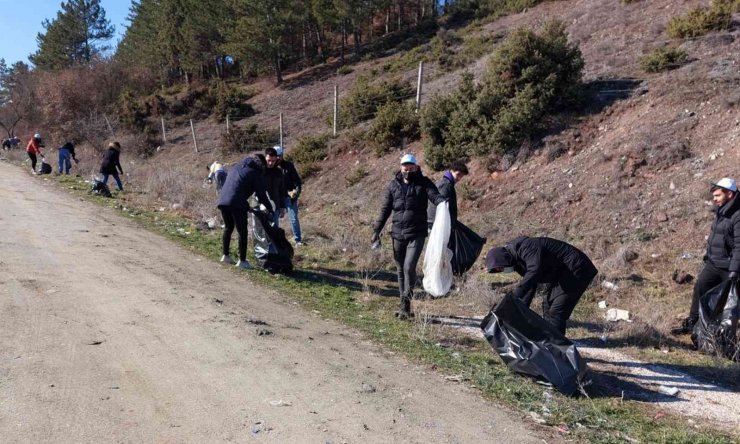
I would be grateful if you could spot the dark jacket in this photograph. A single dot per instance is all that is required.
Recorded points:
(244, 179)
(408, 203)
(69, 146)
(292, 179)
(446, 187)
(723, 246)
(111, 161)
(542, 260)
(275, 178)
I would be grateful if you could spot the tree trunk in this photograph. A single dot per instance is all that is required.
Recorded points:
(357, 43)
(319, 43)
(344, 40)
(400, 15)
(388, 20)
(278, 69)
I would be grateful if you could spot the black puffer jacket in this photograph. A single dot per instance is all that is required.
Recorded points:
(723, 246)
(111, 161)
(446, 187)
(408, 203)
(244, 178)
(542, 260)
(292, 178)
(275, 178)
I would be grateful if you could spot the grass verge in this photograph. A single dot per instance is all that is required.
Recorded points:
(597, 420)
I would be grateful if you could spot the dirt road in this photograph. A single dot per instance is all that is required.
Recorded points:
(112, 334)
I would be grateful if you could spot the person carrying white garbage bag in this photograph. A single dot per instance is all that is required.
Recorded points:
(438, 257)
(407, 197)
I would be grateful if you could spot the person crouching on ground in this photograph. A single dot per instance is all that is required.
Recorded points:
(542, 260)
(111, 164)
(276, 189)
(66, 152)
(33, 149)
(216, 172)
(244, 179)
(722, 259)
(406, 198)
(293, 185)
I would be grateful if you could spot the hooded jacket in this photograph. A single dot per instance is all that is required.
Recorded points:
(446, 187)
(542, 260)
(723, 246)
(111, 161)
(408, 203)
(244, 179)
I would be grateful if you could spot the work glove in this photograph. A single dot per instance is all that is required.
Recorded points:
(293, 194)
(375, 241)
(734, 277)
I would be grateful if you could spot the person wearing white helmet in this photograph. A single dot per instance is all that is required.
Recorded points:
(722, 259)
(407, 197)
(33, 149)
(293, 186)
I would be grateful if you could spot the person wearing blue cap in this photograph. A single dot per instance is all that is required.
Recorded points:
(293, 185)
(722, 259)
(407, 198)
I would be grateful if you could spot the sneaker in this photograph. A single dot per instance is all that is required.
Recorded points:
(298, 243)
(226, 259)
(244, 265)
(686, 327)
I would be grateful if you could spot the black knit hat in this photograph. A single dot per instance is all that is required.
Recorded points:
(498, 258)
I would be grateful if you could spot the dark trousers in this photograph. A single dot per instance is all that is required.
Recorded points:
(406, 254)
(235, 217)
(32, 156)
(709, 278)
(561, 298)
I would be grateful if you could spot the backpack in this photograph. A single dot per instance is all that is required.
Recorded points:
(100, 188)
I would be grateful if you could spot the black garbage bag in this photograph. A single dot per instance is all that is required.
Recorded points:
(45, 168)
(529, 345)
(100, 188)
(715, 331)
(466, 246)
(271, 248)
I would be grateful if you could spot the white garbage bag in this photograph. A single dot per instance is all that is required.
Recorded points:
(438, 258)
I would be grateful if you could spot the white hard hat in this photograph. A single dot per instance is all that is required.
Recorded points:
(408, 158)
(726, 183)
(37, 136)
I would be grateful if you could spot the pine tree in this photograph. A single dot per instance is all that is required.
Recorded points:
(76, 35)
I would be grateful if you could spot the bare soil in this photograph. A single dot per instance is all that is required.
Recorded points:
(113, 334)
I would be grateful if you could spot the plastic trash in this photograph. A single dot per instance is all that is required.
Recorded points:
(529, 345)
(602, 305)
(466, 246)
(610, 285)
(617, 314)
(715, 331)
(45, 167)
(271, 248)
(438, 257)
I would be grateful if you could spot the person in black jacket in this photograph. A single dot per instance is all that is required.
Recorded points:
(111, 164)
(406, 197)
(293, 186)
(446, 187)
(722, 260)
(244, 179)
(276, 190)
(542, 260)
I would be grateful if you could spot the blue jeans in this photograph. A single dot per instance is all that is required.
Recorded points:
(115, 176)
(291, 206)
(276, 217)
(64, 163)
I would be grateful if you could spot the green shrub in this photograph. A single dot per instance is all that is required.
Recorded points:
(392, 125)
(309, 151)
(530, 76)
(701, 21)
(228, 101)
(132, 112)
(356, 176)
(365, 98)
(663, 59)
(344, 70)
(248, 138)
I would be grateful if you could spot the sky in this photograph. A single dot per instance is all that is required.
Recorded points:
(21, 22)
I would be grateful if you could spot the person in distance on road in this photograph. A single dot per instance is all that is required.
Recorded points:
(33, 149)
(542, 260)
(111, 164)
(407, 198)
(244, 179)
(293, 186)
(216, 171)
(722, 259)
